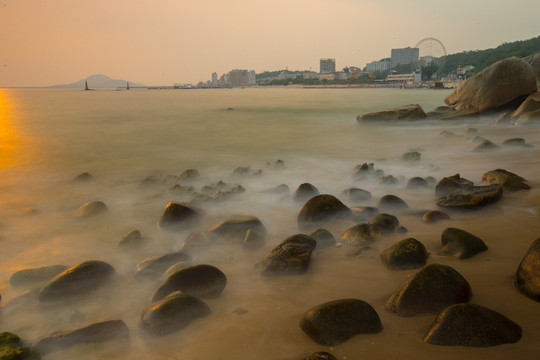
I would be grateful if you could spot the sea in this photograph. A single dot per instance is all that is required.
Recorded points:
(136, 145)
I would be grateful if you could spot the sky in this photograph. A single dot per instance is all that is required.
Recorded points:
(163, 42)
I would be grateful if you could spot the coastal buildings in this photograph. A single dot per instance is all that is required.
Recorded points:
(374, 66)
(327, 66)
(407, 55)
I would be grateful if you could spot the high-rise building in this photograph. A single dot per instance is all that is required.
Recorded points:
(214, 80)
(328, 66)
(404, 56)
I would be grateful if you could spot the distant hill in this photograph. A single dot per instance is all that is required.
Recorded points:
(98, 81)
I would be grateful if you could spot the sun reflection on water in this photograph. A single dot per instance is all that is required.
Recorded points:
(9, 139)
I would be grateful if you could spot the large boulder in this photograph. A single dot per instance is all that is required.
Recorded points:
(29, 277)
(157, 265)
(432, 289)
(292, 256)
(172, 313)
(177, 215)
(534, 60)
(235, 228)
(450, 184)
(406, 254)
(78, 280)
(510, 182)
(460, 243)
(495, 86)
(203, 281)
(527, 279)
(472, 325)
(99, 332)
(320, 209)
(471, 197)
(335, 322)
(406, 112)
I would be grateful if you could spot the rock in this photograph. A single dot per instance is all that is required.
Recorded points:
(439, 112)
(503, 118)
(279, 190)
(157, 265)
(514, 142)
(416, 183)
(530, 118)
(432, 289)
(362, 170)
(235, 228)
(391, 203)
(359, 234)
(77, 280)
(534, 60)
(478, 139)
(193, 243)
(304, 192)
(434, 216)
(29, 277)
(406, 112)
(84, 177)
(181, 190)
(406, 254)
(472, 325)
(527, 279)
(134, 238)
(253, 239)
(291, 257)
(450, 184)
(337, 321)
(388, 180)
(509, 181)
(355, 194)
(320, 209)
(411, 156)
(447, 133)
(96, 333)
(202, 281)
(91, 209)
(324, 238)
(172, 313)
(485, 145)
(364, 213)
(13, 348)
(190, 174)
(471, 197)
(532, 103)
(460, 244)
(177, 216)
(174, 268)
(320, 355)
(495, 86)
(471, 131)
(383, 223)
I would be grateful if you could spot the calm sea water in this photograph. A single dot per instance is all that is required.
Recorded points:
(124, 137)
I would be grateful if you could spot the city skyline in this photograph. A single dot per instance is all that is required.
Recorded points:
(167, 42)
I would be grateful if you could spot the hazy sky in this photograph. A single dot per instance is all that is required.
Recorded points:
(162, 42)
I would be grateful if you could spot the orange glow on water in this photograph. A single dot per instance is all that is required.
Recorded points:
(9, 139)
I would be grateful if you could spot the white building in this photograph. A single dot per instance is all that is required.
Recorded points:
(375, 66)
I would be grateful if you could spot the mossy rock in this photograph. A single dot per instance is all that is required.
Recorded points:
(12, 348)
(527, 279)
(510, 182)
(178, 216)
(324, 238)
(172, 313)
(359, 234)
(28, 277)
(384, 223)
(406, 254)
(472, 325)
(320, 209)
(432, 289)
(157, 265)
(337, 321)
(391, 203)
(291, 257)
(78, 280)
(461, 244)
(203, 281)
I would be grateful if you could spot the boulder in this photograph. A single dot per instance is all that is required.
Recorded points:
(434, 216)
(337, 321)
(472, 325)
(359, 234)
(530, 118)
(495, 86)
(450, 184)
(509, 181)
(96, 333)
(432, 289)
(172, 313)
(416, 183)
(362, 170)
(134, 238)
(383, 223)
(460, 243)
(440, 111)
(157, 265)
(527, 278)
(291, 257)
(320, 209)
(324, 238)
(29, 277)
(202, 281)
(78, 280)
(406, 112)
(91, 208)
(532, 103)
(471, 197)
(13, 348)
(534, 61)
(304, 192)
(388, 180)
(392, 203)
(235, 228)
(178, 216)
(406, 254)
(355, 194)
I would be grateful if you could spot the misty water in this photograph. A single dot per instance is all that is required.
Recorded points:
(123, 138)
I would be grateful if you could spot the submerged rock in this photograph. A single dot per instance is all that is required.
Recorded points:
(235, 228)
(363, 213)
(460, 243)
(406, 112)
(383, 223)
(291, 257)
(83, 177)
(90, 209)
(177, 215)
(527, 278)
(355, 194)
(430, 291)
(320, 209)
(324, 238)
(13, 348)
(78, 280)
(359, 234)
(337, 321)
(134, 238)
(28, 277)
(411, 156)
(391, 203)
(202, 281)
(486, 145)
(99, 332)
(509, 181)
(434, 216)
(305, 192)
(514, 142)
(157, 265)
(416, 183)
(406, 254)
(472, 325)
(471, 197)
(172, 313)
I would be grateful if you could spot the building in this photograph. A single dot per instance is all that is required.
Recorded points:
(252, 78)
(328, 66)
(412, 78)
(375, 66)
(404, 56)
(214, 80)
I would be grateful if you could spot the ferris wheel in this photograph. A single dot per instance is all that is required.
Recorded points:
(431, 51)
